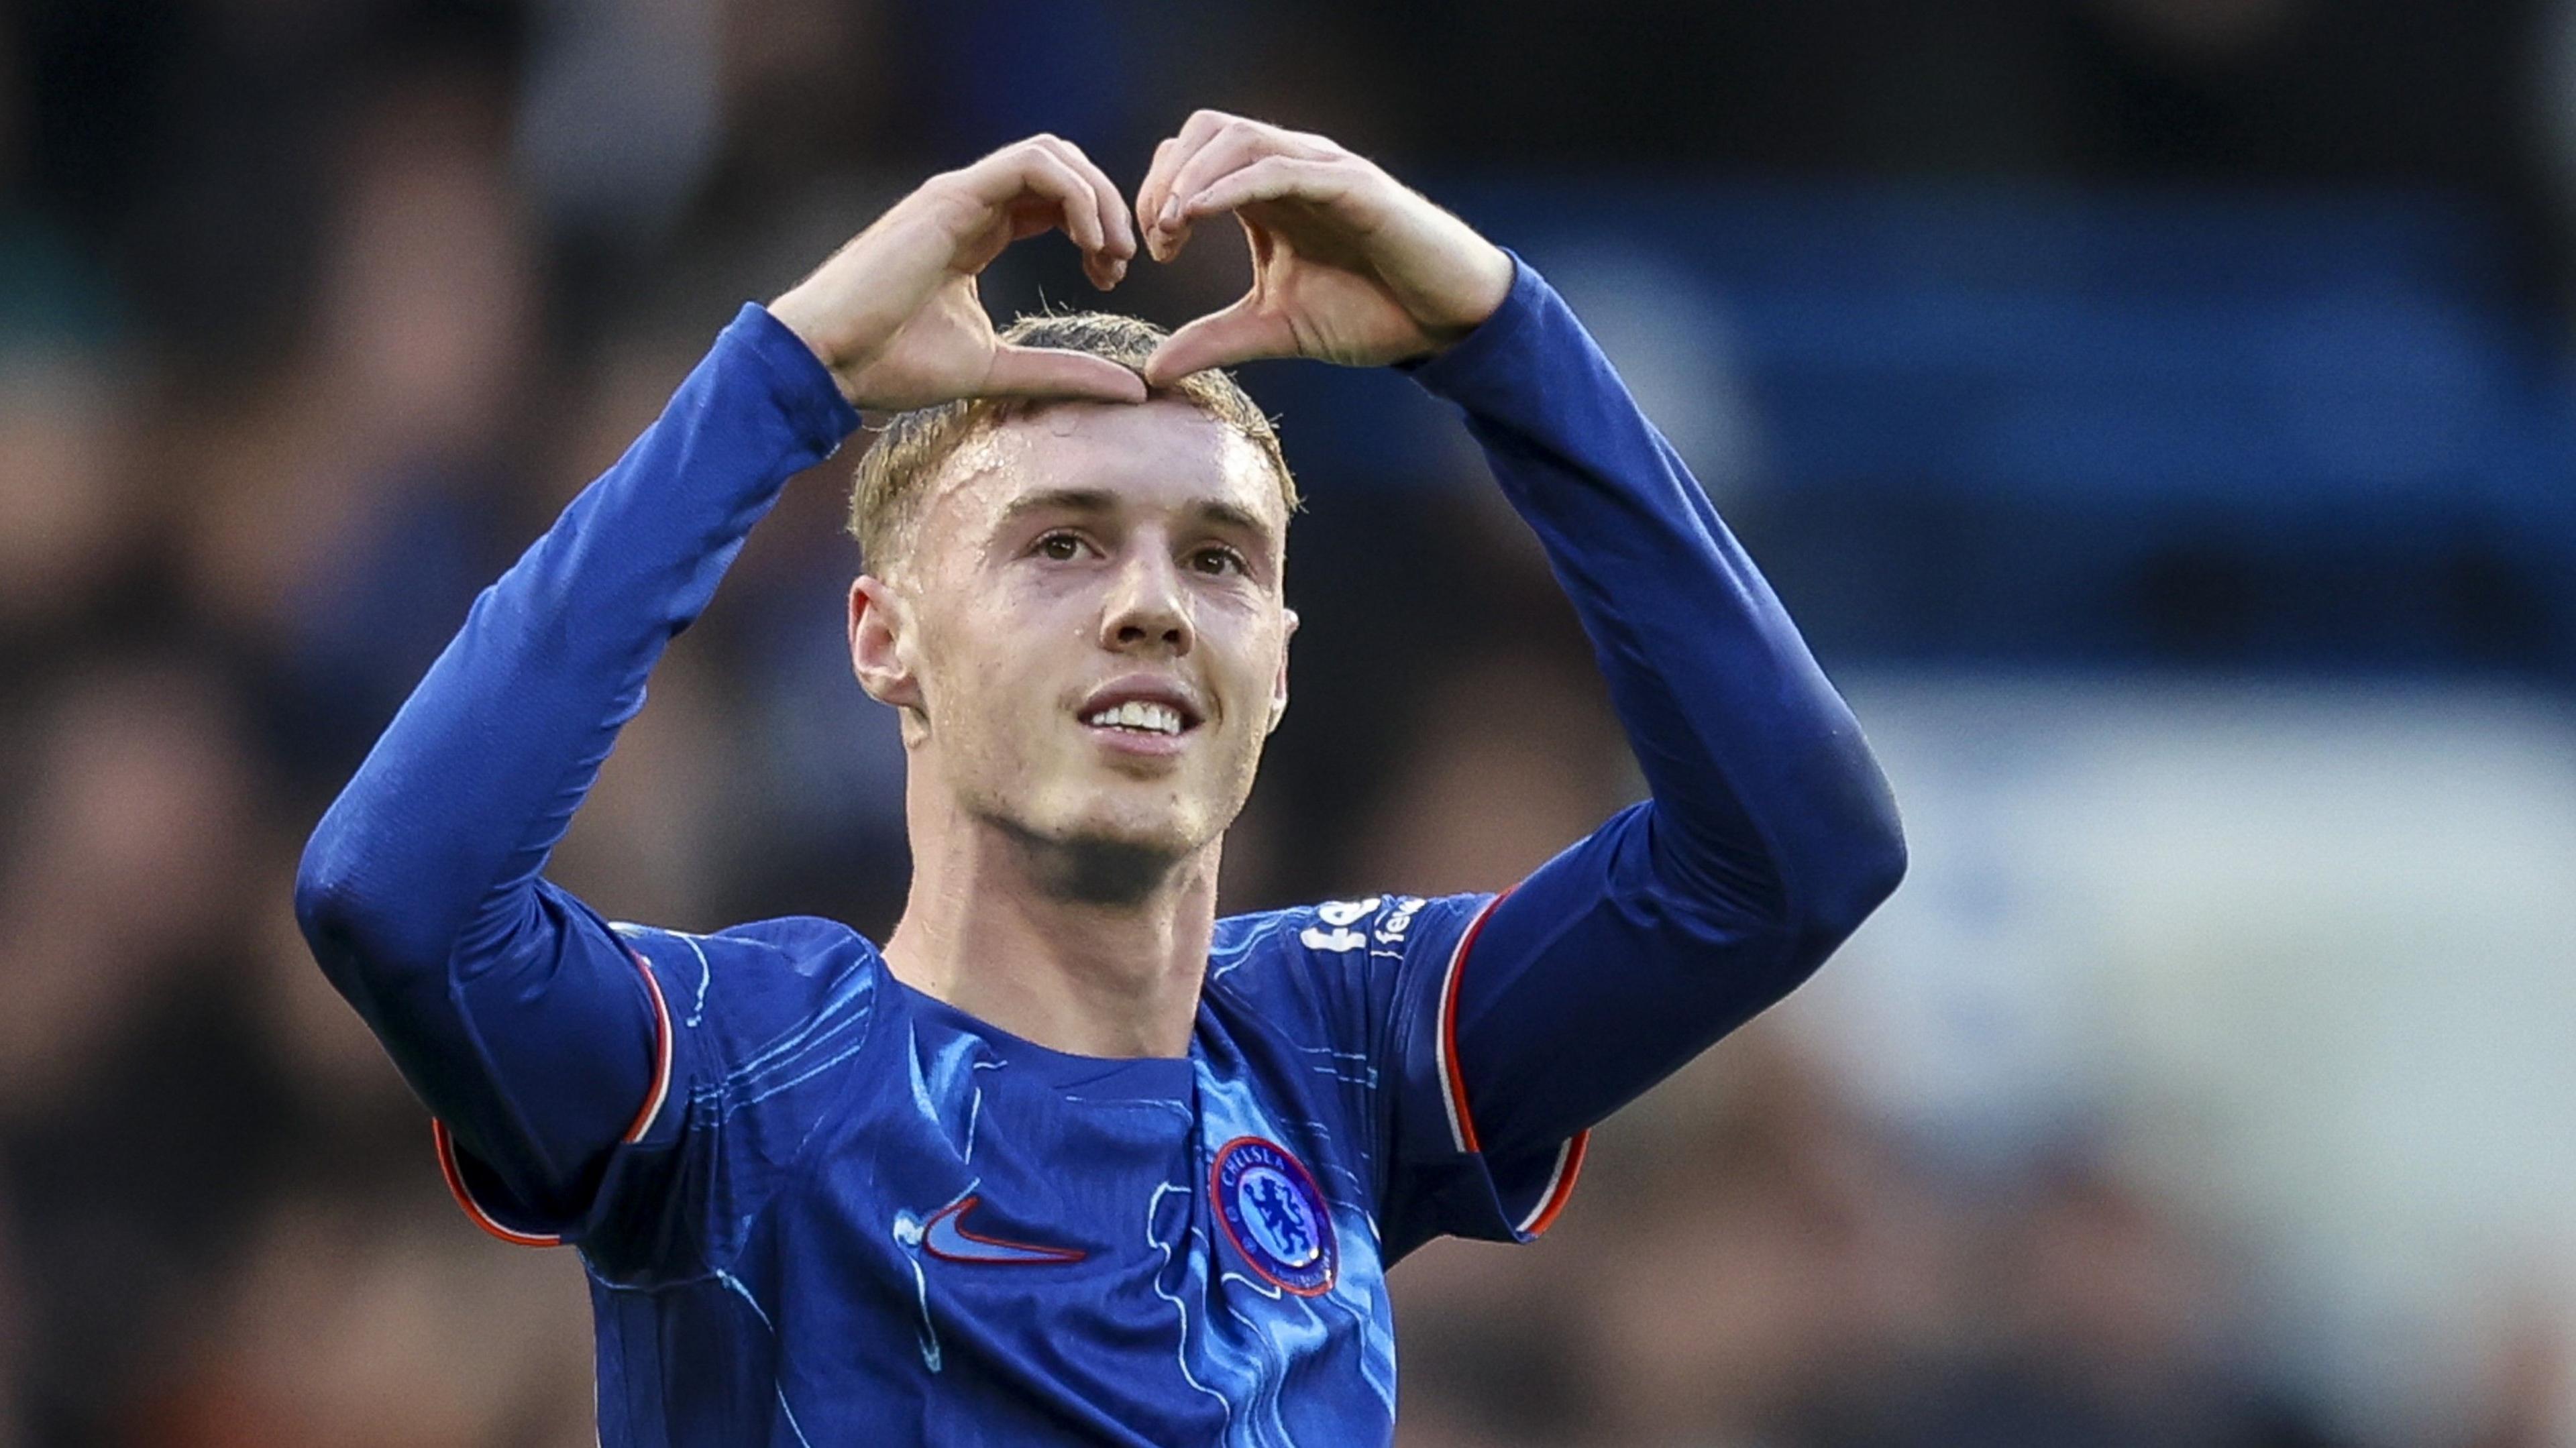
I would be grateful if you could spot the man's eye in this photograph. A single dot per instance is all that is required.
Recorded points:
(1217, 560)
(1062, 547)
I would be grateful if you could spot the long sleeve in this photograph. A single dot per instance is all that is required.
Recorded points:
(1770, 833)
(514, 1011)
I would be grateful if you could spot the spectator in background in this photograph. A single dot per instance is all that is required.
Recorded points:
(140, 1117)
(197, 198)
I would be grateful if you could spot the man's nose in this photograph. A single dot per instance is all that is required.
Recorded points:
(1147, 606)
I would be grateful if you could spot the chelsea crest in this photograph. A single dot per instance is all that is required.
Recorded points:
(1274, 1214)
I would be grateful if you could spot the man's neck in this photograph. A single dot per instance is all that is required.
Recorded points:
(1004, 929)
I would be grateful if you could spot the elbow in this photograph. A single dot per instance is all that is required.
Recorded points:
(354, 929)
(1865, 870)
(326, 904)
(1807, 893)
(329, 903)
(330, 908)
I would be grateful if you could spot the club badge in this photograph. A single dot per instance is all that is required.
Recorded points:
(1274, 1214)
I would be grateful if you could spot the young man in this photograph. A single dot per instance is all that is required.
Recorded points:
(1068, 1159)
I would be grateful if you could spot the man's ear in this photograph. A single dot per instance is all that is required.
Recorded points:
(881, 643)
(1279, 686)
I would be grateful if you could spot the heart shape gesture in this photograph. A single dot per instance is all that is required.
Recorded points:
(896, 315)
(1348, 264)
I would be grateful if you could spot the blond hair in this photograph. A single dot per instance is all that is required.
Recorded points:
(886, 495)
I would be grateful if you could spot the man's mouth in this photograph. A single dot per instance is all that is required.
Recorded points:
(1147, 712)
(1140, 715)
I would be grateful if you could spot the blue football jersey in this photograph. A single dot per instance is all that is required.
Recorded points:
(819, 1207)
(851, 1209)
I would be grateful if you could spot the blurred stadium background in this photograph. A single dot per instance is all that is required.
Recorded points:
(2159, 412)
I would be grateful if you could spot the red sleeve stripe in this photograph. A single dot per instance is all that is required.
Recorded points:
(1462, 1123)
(455, 1174)
(1560, 1185)
(661, 1052)
(445, 1141)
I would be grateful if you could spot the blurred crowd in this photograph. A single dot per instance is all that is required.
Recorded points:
(313, 312)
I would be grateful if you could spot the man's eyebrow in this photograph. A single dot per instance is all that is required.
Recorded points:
(1100, 500)
(1235, 516)
(1060, 500)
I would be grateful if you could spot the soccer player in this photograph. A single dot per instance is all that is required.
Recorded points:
(1067, 1158)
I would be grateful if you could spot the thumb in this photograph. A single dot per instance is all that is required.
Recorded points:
(1240, 333)
(1058, 372)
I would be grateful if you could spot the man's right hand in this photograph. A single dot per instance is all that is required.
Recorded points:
(895, 315)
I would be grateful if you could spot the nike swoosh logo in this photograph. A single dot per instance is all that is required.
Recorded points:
(945, 1236)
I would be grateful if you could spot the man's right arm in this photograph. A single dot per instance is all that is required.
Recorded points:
(513, 1010)
(515, 1013)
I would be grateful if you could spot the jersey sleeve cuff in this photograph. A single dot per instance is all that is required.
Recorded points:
(800, 384)
(1489, 360)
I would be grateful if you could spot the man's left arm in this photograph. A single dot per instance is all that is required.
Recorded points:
(1770, 834)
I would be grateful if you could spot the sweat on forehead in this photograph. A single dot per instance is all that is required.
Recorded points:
(887, 494)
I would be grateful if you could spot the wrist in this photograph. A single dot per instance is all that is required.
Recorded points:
(1456, 371)
(806, 390)
(1480, 291)
(1492, 285)
(1473, 289)
(801, 316)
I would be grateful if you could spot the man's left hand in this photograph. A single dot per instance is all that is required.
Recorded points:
(1349, 265)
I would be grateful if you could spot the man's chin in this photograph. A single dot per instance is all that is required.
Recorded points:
(1109, 861)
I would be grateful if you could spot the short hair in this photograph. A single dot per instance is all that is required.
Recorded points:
(886, 495)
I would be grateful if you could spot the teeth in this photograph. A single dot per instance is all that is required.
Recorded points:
(1138, 714)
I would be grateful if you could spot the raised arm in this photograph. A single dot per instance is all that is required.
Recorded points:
(1770, 834)
(516, 1014)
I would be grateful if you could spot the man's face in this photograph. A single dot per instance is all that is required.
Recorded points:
(1089, 624)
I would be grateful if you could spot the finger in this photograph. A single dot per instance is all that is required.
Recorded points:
(1030, 169)
(1157, 179)
(1240, 333)
(1168, 158)
(1110, 263)
(1055, 372)
(1240, 144)
(1207, 131)
(1054, 178)
(1222, 152)
(1114, 222)
(1272, 178)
